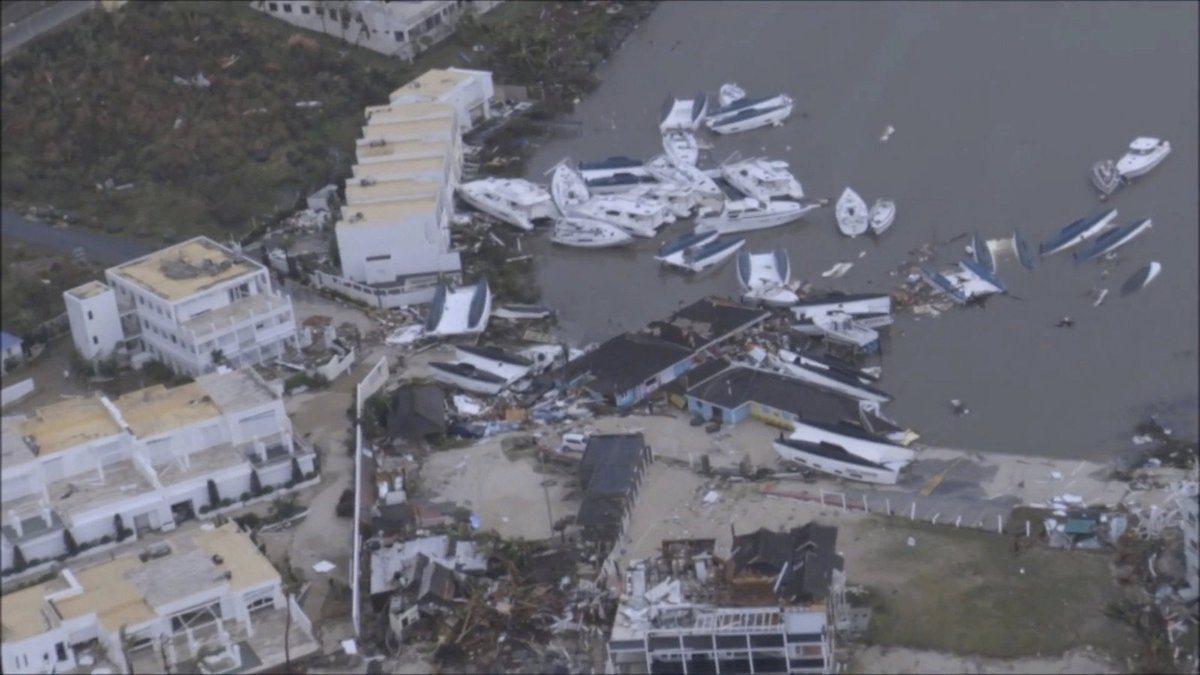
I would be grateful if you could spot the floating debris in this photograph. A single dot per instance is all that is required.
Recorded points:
(1100, 296)
(887, 133)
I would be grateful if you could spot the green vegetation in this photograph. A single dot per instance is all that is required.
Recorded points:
(32, 284)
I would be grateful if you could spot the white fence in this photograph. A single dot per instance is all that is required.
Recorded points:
(16, 392)
(371, 383)
(336, 366)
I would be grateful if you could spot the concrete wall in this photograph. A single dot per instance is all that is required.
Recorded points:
(16, 392)
(95, 323)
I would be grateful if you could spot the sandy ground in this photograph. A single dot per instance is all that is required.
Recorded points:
(901, 660)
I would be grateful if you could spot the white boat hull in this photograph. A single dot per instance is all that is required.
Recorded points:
(466, 383)
(876, 304)
(774, 112)
(498, 211)
(510, 372)
(580, 233)
(880, 453)
(852, 215)
(709, 262)
(776, 213)
(878, 476)
(681, 147)
(1136, 163)
(763, 179)
(813, 376)
(776, 296)
(567, 188)
(1086, 234)
(644, 222)
(882, 215)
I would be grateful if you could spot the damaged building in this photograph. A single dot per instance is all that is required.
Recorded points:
(611, 473)
(772, 607)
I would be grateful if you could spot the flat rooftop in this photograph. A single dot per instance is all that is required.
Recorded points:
(378, 190)
(397, 167)
(89, 290)
(388, 212)
(185, 269)
(126, 591)
(14, 451)
(401, 112)
(417, 147)
(433, 83)
(404, 130)
(67, 424)
(155, 410)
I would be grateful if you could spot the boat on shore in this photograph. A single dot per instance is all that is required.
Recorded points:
(1112, 240)
(467, 377)
(851, 212)
(459, 311)
(517, 312)
(1077, 231)
(855, 439)
(831, 374)
(514, 201)
(705, 256)
(882, 215)
(581, 232)
(764, 277)
(506, 365)
(746, 215)
(834, 460)
(844, 329)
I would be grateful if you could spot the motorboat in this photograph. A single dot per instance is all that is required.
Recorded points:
(581, 232)
(750, 113)
(842, 328)
(853, 218)
(636, 215)
(854, 304)
(764, 277)
(680, 114)
(835, 460)
(672, 252)
(681, 147)
(1105, 177)
(1112, 240)
(467, 377)
(523, 312)
(1077, 231)
(700, 258)
(459, 311)
(729, 94)
(831, 374)
(983, 253)
(746, 215)
(882, 215)
(763, 179)
(854, 439)
(515, 201)
(1144, 154)
(1141, 278)
(568, 188)
(1024, 250)
(506, 365)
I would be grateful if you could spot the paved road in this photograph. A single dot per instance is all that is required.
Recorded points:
(29, 27)
(103, 248)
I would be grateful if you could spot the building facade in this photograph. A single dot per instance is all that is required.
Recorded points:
(207, 597)
(193, 306)
(151, 459)
(400, 29)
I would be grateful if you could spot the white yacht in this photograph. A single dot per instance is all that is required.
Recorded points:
(763, 179)
(745, 215)
(639, 216)
(681, 147)
(568, 188)
(512, 200)
(1144, 154)
(684, 115)
(853, 218)
(750, 113)
(581, 232)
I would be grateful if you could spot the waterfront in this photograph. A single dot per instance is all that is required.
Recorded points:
(999, 110)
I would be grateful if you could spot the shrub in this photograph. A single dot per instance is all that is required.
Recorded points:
(250, 521)
(119, 527)
(205, 508)
(268, 489)
(297, 474)
(106, 539)
(310, 475)
(86, 545)
(214, 496)
(245, 496)
(289, 485)
(35, 562)
(226, 502)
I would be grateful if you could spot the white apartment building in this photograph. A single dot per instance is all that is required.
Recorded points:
(401, 29)
(207, 601)
(193, 306)
(469, 91)
(147, 457)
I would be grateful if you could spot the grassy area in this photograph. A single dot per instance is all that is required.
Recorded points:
(963, 592)
(31, 285)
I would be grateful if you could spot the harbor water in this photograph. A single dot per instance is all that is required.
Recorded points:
(999, 110)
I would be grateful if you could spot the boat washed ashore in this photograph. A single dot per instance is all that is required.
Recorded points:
(515, 201)
(764, 277)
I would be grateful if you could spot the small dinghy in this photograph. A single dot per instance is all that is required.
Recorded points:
(1141, 279)
(729, 94)
(467, 377)
(681, 147)
(1077, 231)
(764, 277)
(568, 188)
(1024, 250)
(983, 253)
(1112, 240)
(1144, 154)
(672, 252)
(882, 215)
(1105, 177)
(582, 232)
(699, 258)
(523, 312)
(853, 218)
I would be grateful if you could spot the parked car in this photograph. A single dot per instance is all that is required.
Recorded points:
(574, 442)
(345, 505)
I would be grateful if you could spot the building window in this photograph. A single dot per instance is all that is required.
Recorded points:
(320, 10)
(287, 8)
(90, 317)
(95, 340)
(399, 36)
(304, 9)
(273, 7)
(174, 341)
(265, 602)
(141, 300)
(60, 650)
(333, 14)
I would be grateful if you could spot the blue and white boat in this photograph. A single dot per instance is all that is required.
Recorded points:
(745, 215)
(983, 253)
(705, 256)
(750, 113)
(831, 374)
(682, 115)
(672, 252)
(1077, 231)
(459, 311)
(615, 174)
(1141, 278)
(989, 276)
(835, 460)
(1024, 250)
(942, 283)
(1112, 240)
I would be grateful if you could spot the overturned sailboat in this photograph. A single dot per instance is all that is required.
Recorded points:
(460, 311)
(1077, 231)
(764, 277)
(832, 374)
(1112, 240)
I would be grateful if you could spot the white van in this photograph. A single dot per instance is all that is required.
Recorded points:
(573, 442)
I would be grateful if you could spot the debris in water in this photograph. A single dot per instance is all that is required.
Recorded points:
(912, 542)
(712, 497)
(887, 133)
(1142, 439)
(838, 270)
(1065, 322)
(862, 254)
(958, 407)
(1100, 297)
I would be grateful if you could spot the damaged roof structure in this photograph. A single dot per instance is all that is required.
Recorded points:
(705, 323)
(417, 411)
(742, 391)
(610, 472)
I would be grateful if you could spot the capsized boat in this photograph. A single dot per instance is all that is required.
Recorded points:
(517, 312)
(983, 253)
(1112, 240)
(459, 311)
(467, 377)
(973, 267)
(1144, 154)
(943, 283)
(672, 252)
(515, 201)
(729, 94)
(854, 304)
(705, 256)
(882, 215)
(831, 374)
(745, 215)
(852, 215)
(1141, 278)
(748, 114)
(763, 179)
(1077, 231)
(764, 277)
(1024, 250)
(681, 147)
(568, 188)
(682, 114)
(506, 365)
(582, 232)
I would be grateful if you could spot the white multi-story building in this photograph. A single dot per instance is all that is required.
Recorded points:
(205, 601)
(146, 457)
(193, 306)
(401, 29)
